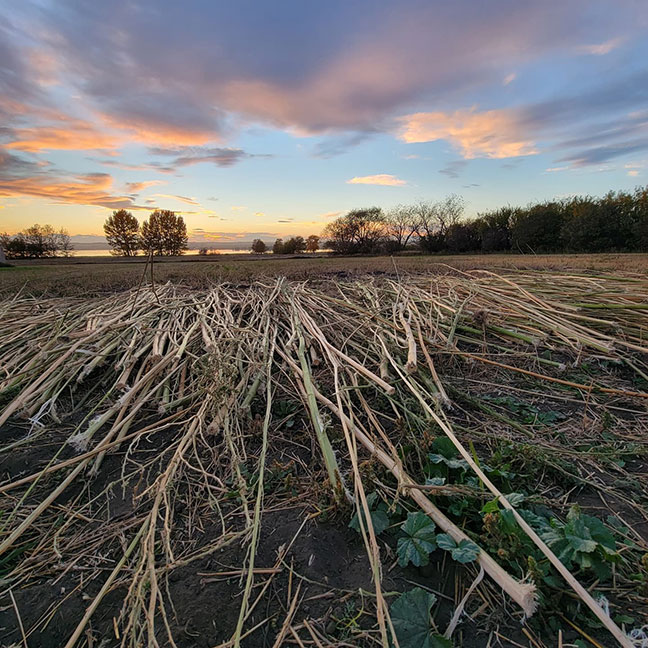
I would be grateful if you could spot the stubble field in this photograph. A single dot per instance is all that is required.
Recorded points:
(325, 452)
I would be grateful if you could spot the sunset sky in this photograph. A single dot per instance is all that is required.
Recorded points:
(270, 118)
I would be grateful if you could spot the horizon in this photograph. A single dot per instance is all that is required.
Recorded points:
(255, 121)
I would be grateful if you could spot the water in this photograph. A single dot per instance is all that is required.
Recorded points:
(106, 253)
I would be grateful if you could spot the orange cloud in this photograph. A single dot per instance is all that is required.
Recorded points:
(490, 134)
(136, 187)
(148, 132)
(76, 135)
(89, 189)
(383, 179)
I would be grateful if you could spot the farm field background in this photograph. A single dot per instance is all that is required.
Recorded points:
(316, 451)
(88, 275)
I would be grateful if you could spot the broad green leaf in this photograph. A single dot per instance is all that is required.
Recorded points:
(379, 520)
(515, 499)
(418, 542)
(491, 506)
(410, 614)
(377, 512)
(445, 447)
(465, 552)
(445, 541)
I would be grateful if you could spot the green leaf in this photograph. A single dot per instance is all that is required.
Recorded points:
(418, 542)
(464, 552)
(445, 447)
(446, 542)
(491, 506)
(377, 512)
(515, 499)
(410, 614)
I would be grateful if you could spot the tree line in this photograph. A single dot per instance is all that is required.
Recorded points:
(616, 222)
(36, 242)
(293, 245)
(164, 233)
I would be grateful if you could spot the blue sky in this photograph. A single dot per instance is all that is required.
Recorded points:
(260, 118)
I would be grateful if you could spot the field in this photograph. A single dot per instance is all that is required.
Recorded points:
(418, 452)
(100, 275)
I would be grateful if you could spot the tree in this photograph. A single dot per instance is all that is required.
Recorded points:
(294, 245)
(258, 246)
(402, 225)
(278, 247)
(361, 231)
(538, 228)
(164, 233)
(312, 243)
(495, 229)
(122, 233)
(37, 241)
(463, 237)
(435, 219)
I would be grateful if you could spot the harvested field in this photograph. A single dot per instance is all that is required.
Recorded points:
(415, 460)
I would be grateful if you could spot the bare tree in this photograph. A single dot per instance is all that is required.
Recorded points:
(402, 224)
(360, 231)
(122, 233)
(449, 212)
(435, 219)
(37, 241)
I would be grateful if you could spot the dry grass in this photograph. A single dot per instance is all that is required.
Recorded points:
(147, 434)
(100, 275)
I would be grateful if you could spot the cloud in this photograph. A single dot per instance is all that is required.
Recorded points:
(136, 187)
(509, 78)
(333, 214)
(185, 156)
(384, 179)
(491, 134)
(183, 199)
(153, 166)
(70, 135)
(454, 168)
(349, 67)
(633, 173)
(23, 178)
(600, 49)
(238, 208)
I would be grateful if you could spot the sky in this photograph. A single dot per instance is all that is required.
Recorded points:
(259, 118)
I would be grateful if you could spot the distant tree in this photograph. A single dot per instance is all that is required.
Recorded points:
(361, 231)
(294, 245)
(402, 225)
(122, 233)
(164, 234)
(495, 229)
(258, 246)
(538, 228)
(463, 237)
(435, 219)
(278, 247)
(37, 241)
(312, 243)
